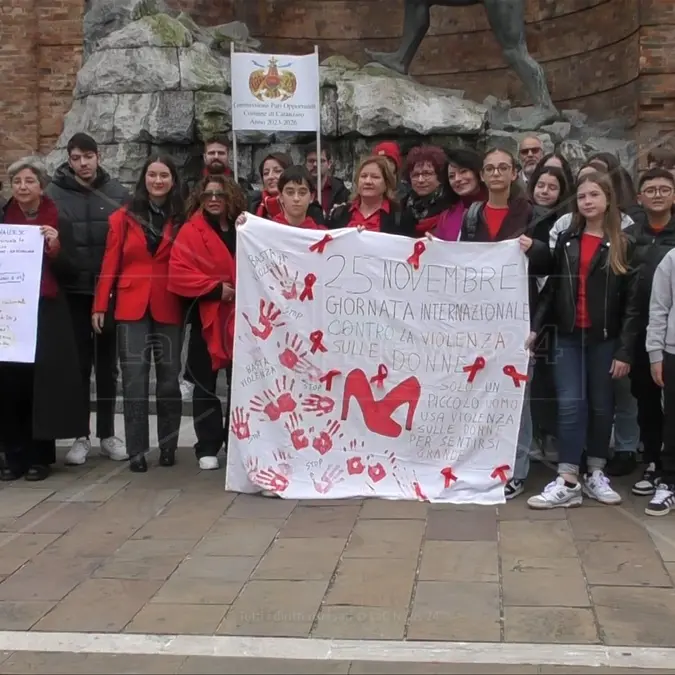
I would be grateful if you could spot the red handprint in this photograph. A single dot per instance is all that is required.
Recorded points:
(355, 466)
(324, 441)
(267, 319)
(287, 284)
(268, 405)
(378, 471)
(240, 426)
(271, 480)
(330, 477)
(294, 427)
(251, 467)
(411, 488)
(285, 401)
(321, 405)
(294, 354)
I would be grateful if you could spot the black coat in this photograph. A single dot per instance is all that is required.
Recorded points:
(87, 209)
(650, 249)
(57, 386)
(339, 194)
(612, 299)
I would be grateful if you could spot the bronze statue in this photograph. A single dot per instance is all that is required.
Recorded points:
(507, 20)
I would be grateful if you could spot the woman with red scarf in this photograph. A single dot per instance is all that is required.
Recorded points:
(39, 400)
(373, 206)
(202, 269)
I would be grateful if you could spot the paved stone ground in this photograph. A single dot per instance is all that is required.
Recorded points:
(99, 549)
(32, 662)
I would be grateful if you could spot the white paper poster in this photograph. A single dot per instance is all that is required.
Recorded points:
(372, 365)
(275, 92)
(21, 250)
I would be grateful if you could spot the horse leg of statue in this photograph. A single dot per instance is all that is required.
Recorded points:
(416, 21)
(507, 20)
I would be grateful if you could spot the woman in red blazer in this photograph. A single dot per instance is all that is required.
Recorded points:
(202, 269)
(134, 276)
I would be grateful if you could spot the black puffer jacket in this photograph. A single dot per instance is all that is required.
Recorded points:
(87, 208)
(651, 249)
(612, 299)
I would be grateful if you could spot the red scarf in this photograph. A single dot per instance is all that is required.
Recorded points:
(47, 214)
(270, 206)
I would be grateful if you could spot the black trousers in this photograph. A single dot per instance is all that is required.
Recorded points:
(142, 343)
(668, 453)
(208, 410)
(99, 351)
(21, 450)
(648, 395)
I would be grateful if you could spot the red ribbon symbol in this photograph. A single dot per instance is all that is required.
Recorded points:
(473, 369)
(515, 375)
(327, 379)
(307, 292)
(414, 259)
(320, 246)
(449, 476)
(382, 373)
(500, 472)
(316, 338)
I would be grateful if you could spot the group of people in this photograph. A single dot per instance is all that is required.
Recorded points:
(124, 274)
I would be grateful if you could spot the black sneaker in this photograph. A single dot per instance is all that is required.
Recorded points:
(514, 488)
(622, 464)
(662, 502)
(650, 479)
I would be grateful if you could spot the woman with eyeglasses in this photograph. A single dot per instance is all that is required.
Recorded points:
(149, 317)
(426, 167)
(202, 269)
(506, 214)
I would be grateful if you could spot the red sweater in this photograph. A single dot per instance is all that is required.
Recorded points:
(47, 215)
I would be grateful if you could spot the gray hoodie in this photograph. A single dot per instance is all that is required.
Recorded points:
(661, 328)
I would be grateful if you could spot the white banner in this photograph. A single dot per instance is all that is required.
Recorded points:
(21, 251)
(373, 365)
(275, 92)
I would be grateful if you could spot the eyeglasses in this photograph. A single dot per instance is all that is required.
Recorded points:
(500, 168)
(214, 194)
(661, 190)
(530, 151)
(422, 175)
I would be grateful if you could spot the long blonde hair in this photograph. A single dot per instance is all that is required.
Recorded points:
(387, 173)
(611, 224)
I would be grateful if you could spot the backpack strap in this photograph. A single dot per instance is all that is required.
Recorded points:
(471, 221)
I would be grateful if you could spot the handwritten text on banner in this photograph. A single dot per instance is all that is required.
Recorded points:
(21, 250)
(374, 365)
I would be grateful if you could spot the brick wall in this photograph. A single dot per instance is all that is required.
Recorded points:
(657, 73)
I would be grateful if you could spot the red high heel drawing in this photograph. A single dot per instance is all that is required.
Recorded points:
(377, 415)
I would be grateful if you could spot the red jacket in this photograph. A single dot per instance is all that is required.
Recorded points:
(200, 262)
(142, 282)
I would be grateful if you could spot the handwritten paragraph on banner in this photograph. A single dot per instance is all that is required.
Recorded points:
(21, 250)
(371, 365)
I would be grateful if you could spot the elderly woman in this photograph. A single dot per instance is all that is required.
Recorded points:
(38, 401)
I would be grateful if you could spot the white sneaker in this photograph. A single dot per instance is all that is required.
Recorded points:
(557, 495)
(270, 494)
(78, 452)
(186, 389)
(114, 448)
(597, 486)
(208, 463)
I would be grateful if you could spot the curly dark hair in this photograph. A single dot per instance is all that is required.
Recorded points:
(428, 153)
(235, 199)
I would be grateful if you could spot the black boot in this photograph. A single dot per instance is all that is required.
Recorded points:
(167, 457)
(137, 464)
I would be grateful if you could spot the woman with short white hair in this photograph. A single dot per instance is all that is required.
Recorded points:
(38, 401)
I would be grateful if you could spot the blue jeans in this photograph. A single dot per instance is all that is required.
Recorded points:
(626, 429)
(585, 401)
(522, 463)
